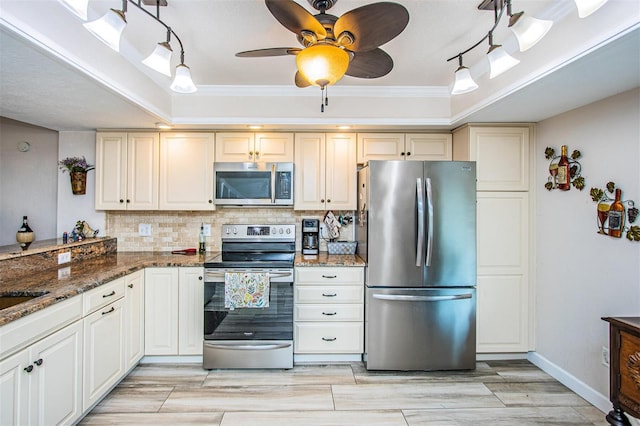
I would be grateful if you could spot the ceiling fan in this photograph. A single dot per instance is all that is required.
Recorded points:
(349, 43)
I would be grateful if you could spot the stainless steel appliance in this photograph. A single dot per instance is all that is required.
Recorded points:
(253, 184)
(310, 236)
(251, 337)
(417, 231)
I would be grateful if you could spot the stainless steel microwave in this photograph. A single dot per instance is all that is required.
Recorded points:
(253, 184)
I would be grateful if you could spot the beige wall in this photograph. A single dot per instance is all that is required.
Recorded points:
(582, 276)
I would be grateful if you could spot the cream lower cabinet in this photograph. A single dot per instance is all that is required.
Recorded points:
(248, 147)
(174, 303)
(42, 385)
(134, 319)
(503, 289)
(127, 171)
(404, 146)
(325, 171)
(329, 310)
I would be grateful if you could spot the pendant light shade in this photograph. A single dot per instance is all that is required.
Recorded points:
(463, 83)
(322, 64)
(78, 7)
(182, 82)
(528, 30)
(587, 7)
(499, 60)
(160, 59)
(108, 29)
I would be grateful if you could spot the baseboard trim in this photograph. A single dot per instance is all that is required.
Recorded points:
(594, 397)
(171, 359)
(500, 356)
(325, 358)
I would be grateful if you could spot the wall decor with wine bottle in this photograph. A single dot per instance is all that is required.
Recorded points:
(615, 215)
(564, 170)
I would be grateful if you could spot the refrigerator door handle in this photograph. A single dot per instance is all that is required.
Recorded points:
(405, 298)
(420, 213)
(427, 261)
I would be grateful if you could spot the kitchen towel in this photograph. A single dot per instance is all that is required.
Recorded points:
(246, 290)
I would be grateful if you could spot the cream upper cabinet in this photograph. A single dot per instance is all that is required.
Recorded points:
(248, 146)
(404, 146)
(186, 171)
(501, 153)
(325, 171)
(127, 171)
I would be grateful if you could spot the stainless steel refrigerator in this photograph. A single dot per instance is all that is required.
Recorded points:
(416, 229)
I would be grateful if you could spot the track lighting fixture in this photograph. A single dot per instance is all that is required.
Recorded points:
(109, 29)
(528, 30)
(499, 60)
(464, 82)
(587, 7)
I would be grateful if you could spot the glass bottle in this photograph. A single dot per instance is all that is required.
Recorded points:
(25, 234)
(564, 175)
(202, 249)
(616, 216)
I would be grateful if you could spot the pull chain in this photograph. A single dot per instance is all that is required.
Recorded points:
(324, 97)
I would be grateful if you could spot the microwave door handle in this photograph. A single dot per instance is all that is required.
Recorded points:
(273, 184)
(429, 200)
(420, 213)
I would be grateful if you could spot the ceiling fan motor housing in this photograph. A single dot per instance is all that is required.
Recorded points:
(322, 5)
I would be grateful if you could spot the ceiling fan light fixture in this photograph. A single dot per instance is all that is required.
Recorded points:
(160, 59)
(528, 30)
(182, 82)
(78, 7)
(587, 7)
(499, 60)
(108, 29)
(322, 64)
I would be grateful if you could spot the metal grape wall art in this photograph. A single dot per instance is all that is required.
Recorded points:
(564, 170)
(615, 215)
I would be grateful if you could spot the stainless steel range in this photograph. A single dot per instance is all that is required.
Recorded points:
(250, 337)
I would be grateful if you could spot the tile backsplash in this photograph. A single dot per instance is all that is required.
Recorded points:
(180, 229)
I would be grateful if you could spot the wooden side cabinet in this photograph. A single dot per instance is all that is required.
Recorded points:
(624, 373)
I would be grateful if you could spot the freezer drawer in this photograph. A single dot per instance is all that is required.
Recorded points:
(420, 329)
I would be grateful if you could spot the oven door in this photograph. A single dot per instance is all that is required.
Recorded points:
(248, 337)
(254, 184)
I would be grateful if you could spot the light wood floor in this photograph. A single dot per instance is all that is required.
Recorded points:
(496, 393)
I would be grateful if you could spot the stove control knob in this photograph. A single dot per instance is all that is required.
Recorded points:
(288, 230)
(281, 231)
(273, 231)
(235, 230)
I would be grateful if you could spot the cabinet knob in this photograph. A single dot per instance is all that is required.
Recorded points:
(328, 201)
(121, 200)
(402, 153)
(128, 200)
(28, 368)
(38, 362)
(257, 154)
(408, 154)
(322, 200)
(210, 201)
(200, 278)
(130, 286)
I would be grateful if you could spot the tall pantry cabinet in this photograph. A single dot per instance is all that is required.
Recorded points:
(502, 155)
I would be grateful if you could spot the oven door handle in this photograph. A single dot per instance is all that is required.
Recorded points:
(257, 347)
(271, 275)
(273, 184)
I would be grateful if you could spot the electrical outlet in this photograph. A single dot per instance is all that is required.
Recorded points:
(206, 229)
(64, 257)
(64, 272)
(144, 229)
(605, 356)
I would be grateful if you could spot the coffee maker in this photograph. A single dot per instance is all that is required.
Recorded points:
(310, 236)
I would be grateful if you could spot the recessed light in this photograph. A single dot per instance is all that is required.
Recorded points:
(344, 127)
(255, 127)
(163, 126)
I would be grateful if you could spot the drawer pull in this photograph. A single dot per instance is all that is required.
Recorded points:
(329, 339)
(329, 276)
(109, 311)
(329, 295)
(329, 313)
(113, 292)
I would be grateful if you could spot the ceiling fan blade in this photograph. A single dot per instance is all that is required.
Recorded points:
(372, 25)
(295, 17)
(301, 81)
(372, 64)
(273, 51)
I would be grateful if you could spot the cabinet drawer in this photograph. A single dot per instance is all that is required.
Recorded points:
(329, 294)
(328, 275)
(337, 337)
(328, 312)
(103, 295)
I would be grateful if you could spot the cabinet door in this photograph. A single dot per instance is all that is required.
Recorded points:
(274, 147)
(503, 291)
(14, 389)
(161, 311)
(143, 152)
(428, 146)
(186, 171)
(309, 171)
(341, 172)
(191, 311)
(56, 396)
(134, 319)
(111, 171)
(103, 351)
(235, 147)
(380, 146)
